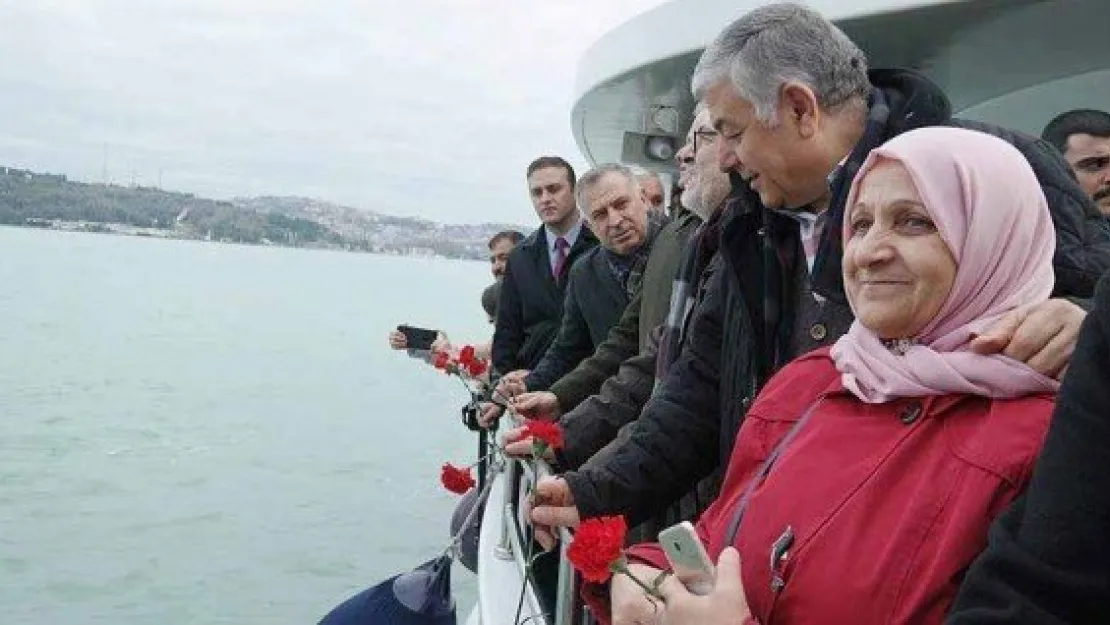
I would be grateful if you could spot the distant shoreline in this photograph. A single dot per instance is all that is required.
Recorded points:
(124, 230)
(51, 201)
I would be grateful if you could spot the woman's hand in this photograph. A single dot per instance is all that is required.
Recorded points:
(629, 603)
(726, 605)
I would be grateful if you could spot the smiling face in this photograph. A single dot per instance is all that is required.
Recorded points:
(898, 271)
(780, 162)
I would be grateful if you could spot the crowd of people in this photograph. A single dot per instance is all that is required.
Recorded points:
(866, 350)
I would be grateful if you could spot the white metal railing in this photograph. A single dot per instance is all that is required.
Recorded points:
(520, 479)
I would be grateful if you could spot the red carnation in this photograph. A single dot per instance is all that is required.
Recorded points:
(456, 480)
(441, 360)
(466, 355)
(476, 367)
(547, 432)
(597, 549)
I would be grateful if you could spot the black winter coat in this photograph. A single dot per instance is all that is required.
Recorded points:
(1048, 560)
(530, 306)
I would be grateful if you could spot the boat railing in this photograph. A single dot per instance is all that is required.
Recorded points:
(516, 545)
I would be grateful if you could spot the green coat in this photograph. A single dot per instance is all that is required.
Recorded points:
(647, 310)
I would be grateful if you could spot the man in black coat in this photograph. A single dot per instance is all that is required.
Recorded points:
(604, 280)
(533, 287)
(798, 112)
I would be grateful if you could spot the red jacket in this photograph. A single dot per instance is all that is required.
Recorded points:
(881, 507)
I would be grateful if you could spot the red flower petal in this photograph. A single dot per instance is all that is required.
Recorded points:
(466, 355)
(476, 367)
(598, 544)
(441, 360)
(456, 480)
(546, 431)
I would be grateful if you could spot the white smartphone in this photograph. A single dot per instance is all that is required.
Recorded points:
(688, 557)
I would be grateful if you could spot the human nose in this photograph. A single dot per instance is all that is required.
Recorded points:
(873, 247)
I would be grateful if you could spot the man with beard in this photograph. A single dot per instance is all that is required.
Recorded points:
(1083, 136)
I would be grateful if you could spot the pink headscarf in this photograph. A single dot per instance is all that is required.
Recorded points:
(989, 209)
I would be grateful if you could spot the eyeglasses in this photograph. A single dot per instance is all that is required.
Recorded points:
(704, 138)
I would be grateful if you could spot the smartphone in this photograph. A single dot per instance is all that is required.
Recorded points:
(688, 557)
(418, 338)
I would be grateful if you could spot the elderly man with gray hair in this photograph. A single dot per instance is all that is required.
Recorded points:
(603, 281)
(652, 186)
(798, 112)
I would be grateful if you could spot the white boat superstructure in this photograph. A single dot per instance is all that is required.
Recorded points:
(1015, 63)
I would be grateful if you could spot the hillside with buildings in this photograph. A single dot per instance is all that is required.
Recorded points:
(41, 200)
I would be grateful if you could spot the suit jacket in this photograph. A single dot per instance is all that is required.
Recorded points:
(530, 307)
(594, 302)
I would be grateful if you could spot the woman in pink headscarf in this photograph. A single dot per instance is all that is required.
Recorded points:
(865, 477)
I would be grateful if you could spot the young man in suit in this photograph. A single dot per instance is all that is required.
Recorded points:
(534, 284)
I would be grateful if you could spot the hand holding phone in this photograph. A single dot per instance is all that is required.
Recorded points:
(688, 558)
(418, 338)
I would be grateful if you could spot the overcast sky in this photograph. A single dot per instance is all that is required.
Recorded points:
(427, 108)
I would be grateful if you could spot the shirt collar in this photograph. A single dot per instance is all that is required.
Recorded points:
(571, 236)
(806, 217)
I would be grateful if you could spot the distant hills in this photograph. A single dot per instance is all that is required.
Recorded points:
(51, 201)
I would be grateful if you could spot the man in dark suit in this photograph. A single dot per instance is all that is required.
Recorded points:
(605, 279)
(533, 287)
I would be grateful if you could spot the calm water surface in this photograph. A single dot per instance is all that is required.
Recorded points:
(204, 433)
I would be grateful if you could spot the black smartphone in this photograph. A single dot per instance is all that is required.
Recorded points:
(418, 338)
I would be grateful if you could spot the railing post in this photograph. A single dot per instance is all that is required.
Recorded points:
(504, 549)
(566, 593)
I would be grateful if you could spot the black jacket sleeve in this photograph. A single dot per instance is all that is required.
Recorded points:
(1048, 560)
(674, 443)
(572, 344)
(508, 333)
(620, 344)
(596, 421)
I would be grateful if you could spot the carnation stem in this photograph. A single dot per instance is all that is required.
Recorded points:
(652, 592)
(496, 450)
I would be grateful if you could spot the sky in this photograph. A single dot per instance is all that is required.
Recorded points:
(428, 108)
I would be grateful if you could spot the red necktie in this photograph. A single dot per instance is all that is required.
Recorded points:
(561, 246)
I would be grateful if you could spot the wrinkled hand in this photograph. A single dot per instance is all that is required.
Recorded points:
(538, 405)
(725, 605)
(629, 603)
(1043, 337)
(550, 506)
(522, 448)
(511, 385)
(488, 414)
(397, 340)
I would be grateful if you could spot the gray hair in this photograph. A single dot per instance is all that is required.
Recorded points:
(590, 179)
(781, 43)
(642, 174)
